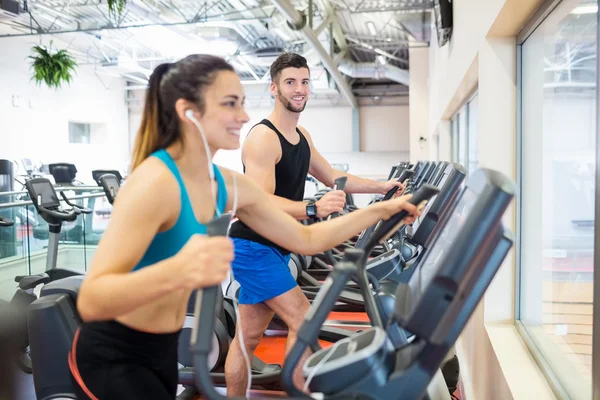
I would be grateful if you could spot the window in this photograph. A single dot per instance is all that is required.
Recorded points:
(87, 133)
(454, 140)
(464, 135)
(79, 133)
(558, 133)
(473, 137)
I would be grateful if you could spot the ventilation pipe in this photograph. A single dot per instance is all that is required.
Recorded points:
(374, 70)
(298, 22)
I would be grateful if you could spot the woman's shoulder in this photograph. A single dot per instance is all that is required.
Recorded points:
(153, 180)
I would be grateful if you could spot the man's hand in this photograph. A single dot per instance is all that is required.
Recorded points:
(387, 186)
(331, 202)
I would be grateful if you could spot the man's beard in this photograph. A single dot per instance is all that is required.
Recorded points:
(288, 104)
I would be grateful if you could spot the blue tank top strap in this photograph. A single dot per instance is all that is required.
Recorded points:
(168, 243)
(186, 205)
(222, 190)
(165, 157)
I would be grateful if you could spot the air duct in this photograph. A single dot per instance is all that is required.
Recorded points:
(297, 22)
(374, 70)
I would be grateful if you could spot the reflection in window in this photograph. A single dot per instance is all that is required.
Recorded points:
(454, 137)
(558, 163)
(472, 147)
(79, 133)
(462, 136)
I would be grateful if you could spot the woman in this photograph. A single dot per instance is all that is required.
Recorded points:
(153, 254)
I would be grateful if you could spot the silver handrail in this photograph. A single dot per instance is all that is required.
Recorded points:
(29, 202)
(58, 189)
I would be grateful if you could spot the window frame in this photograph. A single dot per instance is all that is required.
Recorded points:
(455, 127)
(532, 24)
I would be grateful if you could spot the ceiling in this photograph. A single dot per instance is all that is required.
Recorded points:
(367, 39)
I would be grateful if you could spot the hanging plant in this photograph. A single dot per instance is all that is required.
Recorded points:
(116, 7)
(52, 69)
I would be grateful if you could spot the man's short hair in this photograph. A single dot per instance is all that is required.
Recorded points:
(287, 60)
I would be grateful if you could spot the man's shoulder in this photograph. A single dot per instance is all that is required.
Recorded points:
(304, 131)
(261, 131)
(261, 141)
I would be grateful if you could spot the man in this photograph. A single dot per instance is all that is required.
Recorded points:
(277, 155)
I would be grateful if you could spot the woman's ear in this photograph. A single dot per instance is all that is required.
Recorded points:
(183, 107)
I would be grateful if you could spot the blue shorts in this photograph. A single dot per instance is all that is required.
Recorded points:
(262, 271)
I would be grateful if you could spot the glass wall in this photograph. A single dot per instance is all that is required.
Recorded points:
(24, 246)
(558, 134)
(464, 135)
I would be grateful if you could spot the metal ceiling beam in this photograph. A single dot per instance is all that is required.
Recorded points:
(376, 50)
(235, 16)
(297, 21)
(395, 10)
(338, 33)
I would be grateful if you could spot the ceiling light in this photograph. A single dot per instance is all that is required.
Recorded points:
(382, 60)
(371, 27)
(586, 9)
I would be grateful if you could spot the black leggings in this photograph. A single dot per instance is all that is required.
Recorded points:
(112, 361)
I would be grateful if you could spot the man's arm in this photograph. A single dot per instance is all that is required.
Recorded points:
(260, 153)
(324, 172)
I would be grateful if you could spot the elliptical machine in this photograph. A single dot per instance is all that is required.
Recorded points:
(46, 202)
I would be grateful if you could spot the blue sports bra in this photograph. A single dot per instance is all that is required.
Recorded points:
(166, 244)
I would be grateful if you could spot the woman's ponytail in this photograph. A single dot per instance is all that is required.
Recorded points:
(148, 136)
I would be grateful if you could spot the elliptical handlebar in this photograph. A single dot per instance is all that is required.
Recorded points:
(76, 207)
(5, 222)
(61, 215)
(404, 175)
(423, 193)
(205, 311)
(339, 184)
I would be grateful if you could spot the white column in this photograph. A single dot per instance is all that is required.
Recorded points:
(419, 103)
(497, 151)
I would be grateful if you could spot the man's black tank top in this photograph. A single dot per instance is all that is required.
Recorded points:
(290, 176)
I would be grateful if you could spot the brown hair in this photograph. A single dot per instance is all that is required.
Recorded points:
(185, 79)
(287, 60)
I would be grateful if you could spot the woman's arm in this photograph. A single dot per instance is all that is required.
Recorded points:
(140, 211)
(280, 228)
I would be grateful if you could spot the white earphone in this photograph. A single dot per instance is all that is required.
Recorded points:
(190, 115)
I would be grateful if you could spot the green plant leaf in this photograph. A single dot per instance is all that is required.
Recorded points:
(51, 69)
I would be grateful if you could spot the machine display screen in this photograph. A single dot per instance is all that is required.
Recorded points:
(46, 191)
(422, 277)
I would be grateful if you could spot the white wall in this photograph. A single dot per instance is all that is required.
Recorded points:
(472, 20)
(419, 104)
(38, 129)
(383, 130)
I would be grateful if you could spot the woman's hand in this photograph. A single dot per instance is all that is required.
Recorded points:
(204, 261)
(395, 205)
